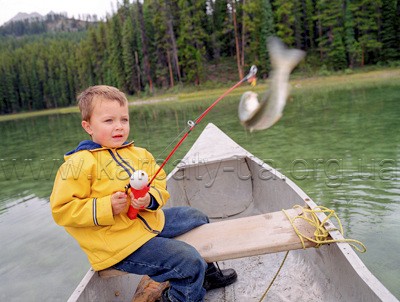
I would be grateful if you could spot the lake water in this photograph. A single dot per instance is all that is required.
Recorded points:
(342, 147)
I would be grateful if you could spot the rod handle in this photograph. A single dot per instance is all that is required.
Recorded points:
(132, 212)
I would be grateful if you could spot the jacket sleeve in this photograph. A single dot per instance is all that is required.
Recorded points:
(158, 188)
(71, 202)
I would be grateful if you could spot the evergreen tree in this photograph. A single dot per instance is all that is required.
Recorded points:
(353, 49)
(309, 30)
(337, 53)
(145, 27)
(366, 17)
(173, 19)
(398, 26)
(163, 62)
(128, 53)
(95, 50)
(390, 43)
(102, 52)
(260, 26)
(117, 76)
(285, 19)
(86, 62)
(8, 77)
(330, 41)
(221, 33)
(191, 38)
(298, 26)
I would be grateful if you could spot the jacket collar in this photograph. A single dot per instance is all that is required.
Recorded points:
(91, 146)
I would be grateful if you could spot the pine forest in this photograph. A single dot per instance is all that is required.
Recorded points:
(151, 45)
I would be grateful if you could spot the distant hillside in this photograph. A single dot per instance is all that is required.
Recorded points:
(34, 23)
(25, 16)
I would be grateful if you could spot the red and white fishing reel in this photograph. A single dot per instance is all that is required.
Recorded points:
(139, 187)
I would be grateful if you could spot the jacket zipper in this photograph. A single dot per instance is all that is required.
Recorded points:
(123, 164)
(148, 227)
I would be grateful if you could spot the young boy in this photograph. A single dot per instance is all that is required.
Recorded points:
(89, 200)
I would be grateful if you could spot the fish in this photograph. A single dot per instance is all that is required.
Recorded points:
(260, 115)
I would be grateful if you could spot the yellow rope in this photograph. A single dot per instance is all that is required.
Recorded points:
(321, 234)
(273, 279)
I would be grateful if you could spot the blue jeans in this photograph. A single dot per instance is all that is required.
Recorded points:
(163, 258)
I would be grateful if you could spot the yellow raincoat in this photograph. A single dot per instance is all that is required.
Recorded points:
(81, 201)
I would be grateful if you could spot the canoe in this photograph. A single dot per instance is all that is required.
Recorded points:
(227, 182)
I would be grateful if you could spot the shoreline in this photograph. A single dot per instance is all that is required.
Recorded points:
(306, 82)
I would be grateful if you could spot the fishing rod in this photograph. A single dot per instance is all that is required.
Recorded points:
(139, 184)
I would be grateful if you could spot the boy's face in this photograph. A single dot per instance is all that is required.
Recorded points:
(109, 123)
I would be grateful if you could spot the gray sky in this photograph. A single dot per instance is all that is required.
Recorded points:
(9, 8)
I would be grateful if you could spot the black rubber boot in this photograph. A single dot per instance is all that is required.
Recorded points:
(216, 278)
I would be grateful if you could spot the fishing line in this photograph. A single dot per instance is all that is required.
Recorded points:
(192, 124)
(186, 128)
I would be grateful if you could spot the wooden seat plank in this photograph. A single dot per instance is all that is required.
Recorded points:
(248, 236)
(244, 237)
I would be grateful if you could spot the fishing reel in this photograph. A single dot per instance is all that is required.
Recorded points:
(138, 184)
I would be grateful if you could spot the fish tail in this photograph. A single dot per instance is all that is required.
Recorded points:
(282, 57)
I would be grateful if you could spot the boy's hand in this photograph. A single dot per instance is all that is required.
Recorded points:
(140, 203)
(118, 202)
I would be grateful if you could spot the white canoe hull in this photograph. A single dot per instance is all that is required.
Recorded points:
(225, 181)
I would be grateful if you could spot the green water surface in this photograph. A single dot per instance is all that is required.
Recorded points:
(341, 146)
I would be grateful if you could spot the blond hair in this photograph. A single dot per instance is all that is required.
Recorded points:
(89, 96)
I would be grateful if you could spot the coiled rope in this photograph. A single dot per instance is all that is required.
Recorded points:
(321, 234)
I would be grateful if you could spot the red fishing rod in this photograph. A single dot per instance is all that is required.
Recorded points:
(138, 182)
